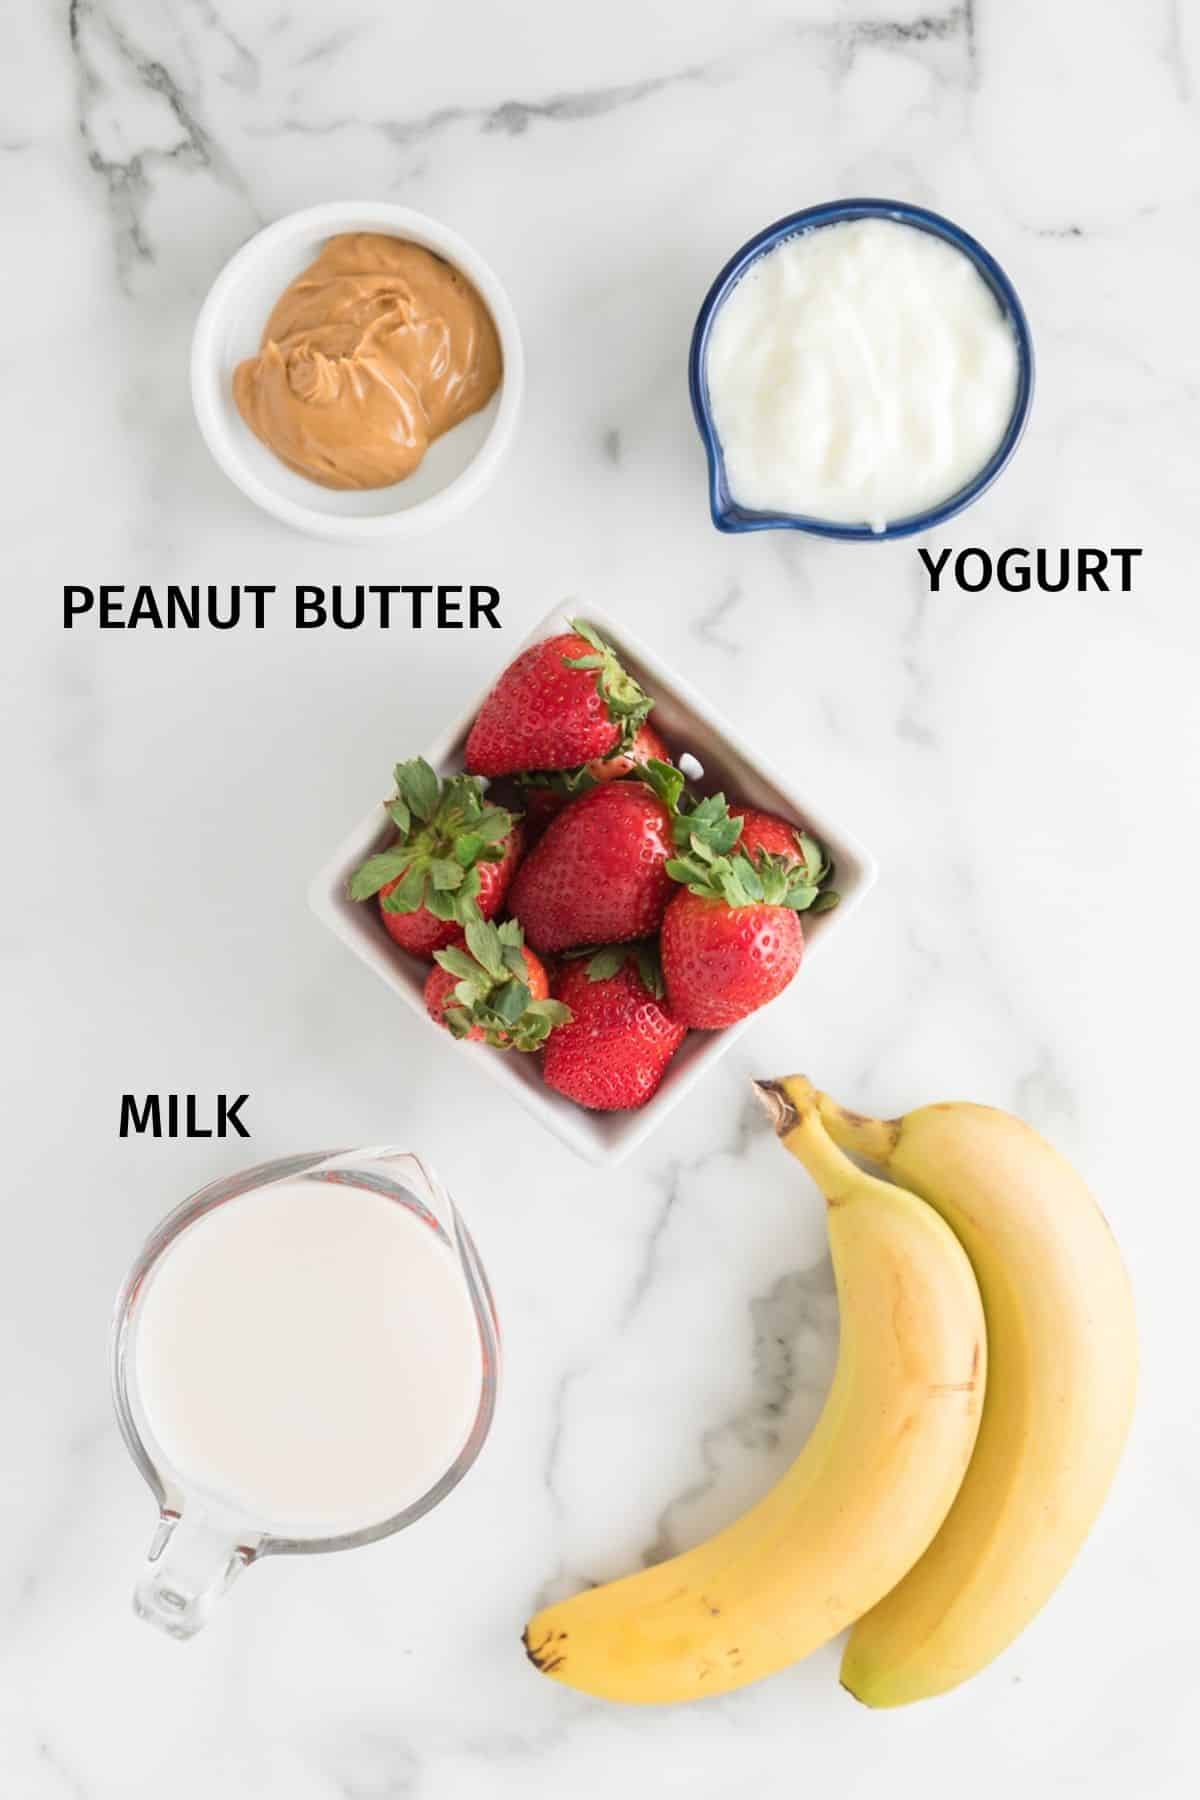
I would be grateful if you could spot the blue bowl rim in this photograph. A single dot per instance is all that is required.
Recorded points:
(726, 514)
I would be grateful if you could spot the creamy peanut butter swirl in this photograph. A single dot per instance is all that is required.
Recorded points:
(373, 352)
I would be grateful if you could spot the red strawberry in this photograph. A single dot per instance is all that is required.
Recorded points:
(722, 962)
(599, 874)
(493, 990)
(646, 747)
(764, 831)
(731, 940)
(452, 860)
(621, 1037)
(544, 795)
(562, 703)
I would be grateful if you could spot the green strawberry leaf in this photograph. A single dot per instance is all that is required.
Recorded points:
(446, 873)
(552, 1011)
(377, 871)
(815, 864)
(407, 897)
(825, 901)
(539, 1019)
(465, 899)
(510, 1001)
(742, 880)
(700, 852)
(686, 870)
(459, 1020)
(493, 824)
(709, 823)
(629, 706)
(591, 636)
(483, 941)
(446, 829)
(419, 786)
(569, 784)
(456, 961)
(748, 879)
(468, 848)
(650, 968)
(460, 793)
(664, 779)
(440, 902)
(605, 963)
(493, 992)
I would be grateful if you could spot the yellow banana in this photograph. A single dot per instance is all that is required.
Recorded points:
(1062, 1352)
(863, 1499)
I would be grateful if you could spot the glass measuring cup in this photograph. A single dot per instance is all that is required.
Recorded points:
(204, 1540)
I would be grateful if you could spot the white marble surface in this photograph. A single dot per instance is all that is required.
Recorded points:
(1025, 767)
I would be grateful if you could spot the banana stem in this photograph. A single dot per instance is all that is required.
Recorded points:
(876, 1139)
(792, 1103)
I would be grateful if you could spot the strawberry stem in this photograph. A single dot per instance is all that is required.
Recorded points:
(629, 706)
(493, 994)
(445, 830)
(606, 962)
(711, 865)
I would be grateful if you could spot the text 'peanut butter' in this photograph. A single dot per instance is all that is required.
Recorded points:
(373, 352)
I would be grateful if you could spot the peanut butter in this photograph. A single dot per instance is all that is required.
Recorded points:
(373, 352)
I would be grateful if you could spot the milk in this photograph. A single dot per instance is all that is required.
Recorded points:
(861, 373)
(308, 1354)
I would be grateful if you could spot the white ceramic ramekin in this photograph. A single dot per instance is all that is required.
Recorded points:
(689, 724)
(456, 469)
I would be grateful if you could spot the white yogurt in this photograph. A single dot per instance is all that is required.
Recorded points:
(308, 1353)
(860, 373)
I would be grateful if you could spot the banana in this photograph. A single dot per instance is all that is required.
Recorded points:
(863, 1499)
(1062, 1369)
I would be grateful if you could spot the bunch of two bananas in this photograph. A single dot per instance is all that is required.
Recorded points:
(984, 1385)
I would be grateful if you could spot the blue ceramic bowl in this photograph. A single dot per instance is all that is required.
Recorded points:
(726, 513)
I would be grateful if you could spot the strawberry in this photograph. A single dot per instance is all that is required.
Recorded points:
(599, 874)
(544, 794)
(493, 990)
(562, 703)
(620, 1038)
(452, 860)
(732, 940)
(724, 959)
(764, 831)
(646, 747)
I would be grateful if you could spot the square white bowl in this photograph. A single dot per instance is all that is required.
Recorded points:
(689, 724)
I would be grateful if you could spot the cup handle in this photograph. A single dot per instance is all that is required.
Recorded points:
(191, 1563)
